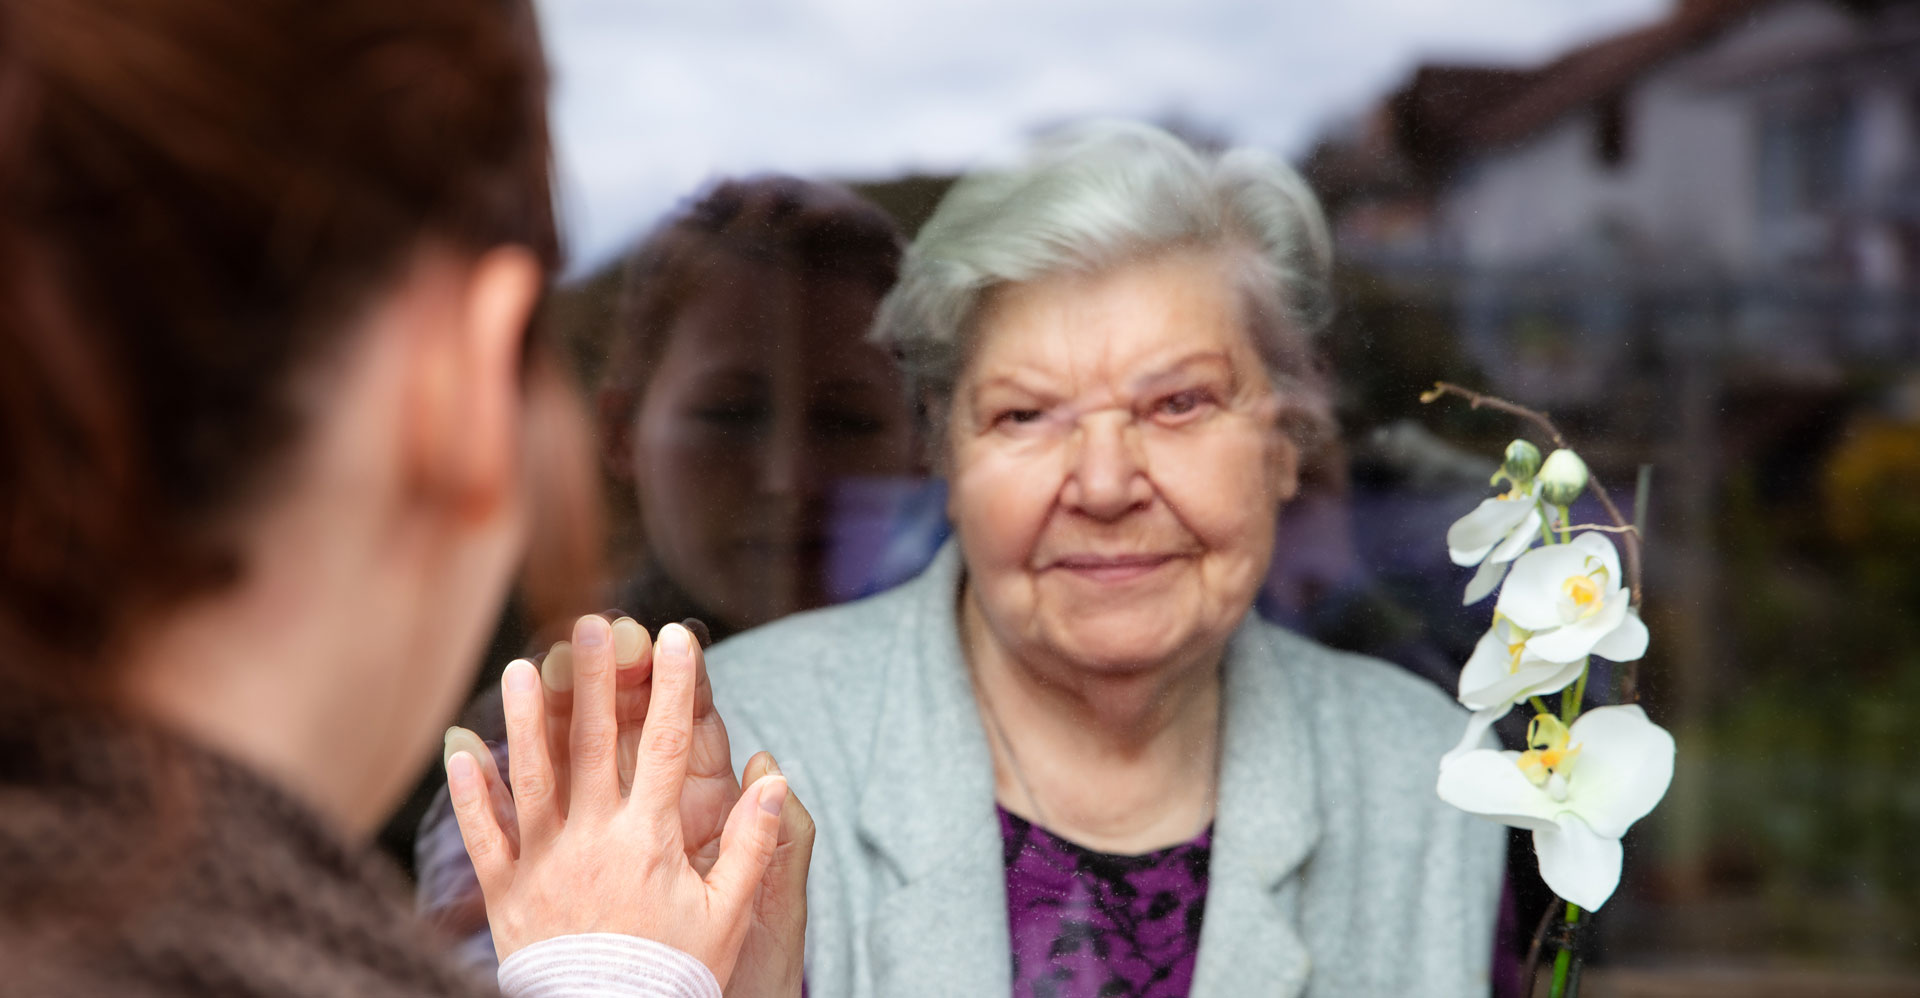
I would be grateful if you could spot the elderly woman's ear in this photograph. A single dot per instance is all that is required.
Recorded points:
(1285, 451)
(1284, 464)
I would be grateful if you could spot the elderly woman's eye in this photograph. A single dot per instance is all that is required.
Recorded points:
(1184, 403)
(1017, 416)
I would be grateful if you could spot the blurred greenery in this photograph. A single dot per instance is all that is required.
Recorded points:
(1813, 786)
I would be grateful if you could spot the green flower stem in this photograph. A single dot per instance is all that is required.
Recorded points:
(1539, 705)
(1570, 705)
(1566, 525)
(1563, 963)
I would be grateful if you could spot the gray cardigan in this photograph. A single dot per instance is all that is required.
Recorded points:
(1335, 869)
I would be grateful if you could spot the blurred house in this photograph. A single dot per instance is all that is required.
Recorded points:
(1737, 137)
(1739, 179)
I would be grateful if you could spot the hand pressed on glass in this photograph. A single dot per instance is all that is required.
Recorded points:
(772, 955)
(590, 859)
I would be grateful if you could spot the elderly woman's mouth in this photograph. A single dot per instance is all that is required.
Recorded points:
(1113, 568)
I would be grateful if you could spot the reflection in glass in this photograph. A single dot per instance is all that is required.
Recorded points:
(751, 427)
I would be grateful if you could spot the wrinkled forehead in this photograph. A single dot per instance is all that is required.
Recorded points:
(1118, 330)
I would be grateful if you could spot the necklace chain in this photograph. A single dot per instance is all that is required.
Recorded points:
(1013, 760)
(1033, 799)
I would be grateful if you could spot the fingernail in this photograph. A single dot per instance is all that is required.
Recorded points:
(773, 765)
(459, 739)
(675, 639)
(698, 629)
(773, 795)
(628, 636)
(463, 774)
(521, 676)
(557, 670)
(590, 631)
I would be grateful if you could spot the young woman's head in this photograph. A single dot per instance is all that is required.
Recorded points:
(740, 388)
(265, 274)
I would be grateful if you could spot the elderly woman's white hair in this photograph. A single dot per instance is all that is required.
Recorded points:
(1103, 194)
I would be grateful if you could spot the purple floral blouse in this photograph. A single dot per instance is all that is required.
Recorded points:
(1088, 924)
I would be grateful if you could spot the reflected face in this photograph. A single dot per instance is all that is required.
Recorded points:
(766, 394)
(1116, 467)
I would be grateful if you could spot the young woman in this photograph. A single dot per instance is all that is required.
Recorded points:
(265, 382)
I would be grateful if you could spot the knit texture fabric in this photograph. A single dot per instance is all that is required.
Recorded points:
(135, 864)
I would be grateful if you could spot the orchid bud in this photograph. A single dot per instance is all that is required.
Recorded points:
(1523, 460)
(1562, 477)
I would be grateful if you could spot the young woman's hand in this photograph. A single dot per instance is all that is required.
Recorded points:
(773, 953)
(583, 857)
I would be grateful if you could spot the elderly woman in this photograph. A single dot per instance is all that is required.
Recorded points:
(1067, 757)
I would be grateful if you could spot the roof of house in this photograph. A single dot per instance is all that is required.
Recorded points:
(1603, 68)
(1447, 111)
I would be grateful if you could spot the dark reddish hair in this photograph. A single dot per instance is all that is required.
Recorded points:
(812, 229)
(196, 197)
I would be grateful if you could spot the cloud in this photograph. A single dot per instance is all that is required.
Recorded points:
(652, 98)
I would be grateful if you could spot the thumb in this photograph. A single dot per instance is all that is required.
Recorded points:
(747, 843)
(786, 876)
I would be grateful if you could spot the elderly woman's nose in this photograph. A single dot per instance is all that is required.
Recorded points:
(1106, 467)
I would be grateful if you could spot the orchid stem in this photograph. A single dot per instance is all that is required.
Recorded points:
(1570, 705)
(1539, 705)
(1563, 962)
(1539, 419)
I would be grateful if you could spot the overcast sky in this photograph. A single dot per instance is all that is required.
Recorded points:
(653, 97)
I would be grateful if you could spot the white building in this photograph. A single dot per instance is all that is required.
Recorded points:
(1742, 177)
(1752, 139)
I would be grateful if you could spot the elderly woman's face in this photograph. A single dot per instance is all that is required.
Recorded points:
(1116, 465)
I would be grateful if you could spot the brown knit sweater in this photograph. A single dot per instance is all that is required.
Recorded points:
(133, 864)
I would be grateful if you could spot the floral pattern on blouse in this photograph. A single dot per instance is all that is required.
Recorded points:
(1088, 924)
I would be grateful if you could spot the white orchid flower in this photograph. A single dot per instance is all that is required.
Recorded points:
(1492, 536)
(1578, 790)
(1502, 673)
(1570, 597)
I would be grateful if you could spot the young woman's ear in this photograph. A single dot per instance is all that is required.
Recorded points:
(466, 387)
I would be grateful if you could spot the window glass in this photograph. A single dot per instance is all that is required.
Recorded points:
(1689, 232)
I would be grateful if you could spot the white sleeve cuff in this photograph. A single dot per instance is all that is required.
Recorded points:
(604, 965)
